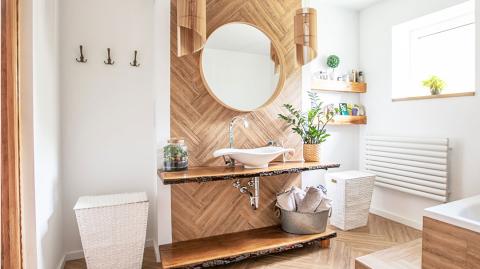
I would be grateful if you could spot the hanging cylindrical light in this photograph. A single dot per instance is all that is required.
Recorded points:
(191, 26)
(306, 35)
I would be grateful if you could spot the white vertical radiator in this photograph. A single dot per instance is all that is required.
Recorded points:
(418, 166)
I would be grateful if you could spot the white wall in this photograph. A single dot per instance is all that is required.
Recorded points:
(452, 117)
(161, 87)
(337, 34)
(107, 112)
(27, 168)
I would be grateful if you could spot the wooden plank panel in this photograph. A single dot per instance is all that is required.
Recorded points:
(11, 248)
(450, 247)
(216, 208)
(235, 247)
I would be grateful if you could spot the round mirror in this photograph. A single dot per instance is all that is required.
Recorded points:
(242, 67)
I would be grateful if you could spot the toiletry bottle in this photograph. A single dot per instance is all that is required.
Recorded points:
(361, 78)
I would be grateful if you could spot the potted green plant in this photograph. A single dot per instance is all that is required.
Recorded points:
(175, 155)
(310, 125)
(333, 61)
(435, 84)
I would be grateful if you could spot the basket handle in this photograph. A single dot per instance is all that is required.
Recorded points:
(277, 212)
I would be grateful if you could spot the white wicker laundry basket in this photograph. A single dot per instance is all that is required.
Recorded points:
(113, 229)
(351, 192)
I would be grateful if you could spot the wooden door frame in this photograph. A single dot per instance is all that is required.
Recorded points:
(11, 245)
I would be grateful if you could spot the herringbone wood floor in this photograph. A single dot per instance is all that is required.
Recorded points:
(379, 234)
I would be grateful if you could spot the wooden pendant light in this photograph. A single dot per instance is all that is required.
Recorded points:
(306, 35)
(191, 26)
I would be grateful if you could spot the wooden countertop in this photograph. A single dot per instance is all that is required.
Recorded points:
(215, 173)
(229, 248)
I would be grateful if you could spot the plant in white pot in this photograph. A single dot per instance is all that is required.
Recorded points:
(310, 125)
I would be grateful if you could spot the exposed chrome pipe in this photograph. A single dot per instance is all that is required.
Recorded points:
(252, 189)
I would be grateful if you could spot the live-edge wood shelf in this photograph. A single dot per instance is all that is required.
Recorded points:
(215, 173)
(229, 248)
(339, 86)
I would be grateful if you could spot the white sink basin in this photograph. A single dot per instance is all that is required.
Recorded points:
(253, 158)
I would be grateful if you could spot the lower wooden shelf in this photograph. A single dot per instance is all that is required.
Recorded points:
(349, 120)
(230, 248)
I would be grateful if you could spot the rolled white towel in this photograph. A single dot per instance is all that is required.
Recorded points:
(312, 200)
(326, 204)
(299, 196)
(286, 201)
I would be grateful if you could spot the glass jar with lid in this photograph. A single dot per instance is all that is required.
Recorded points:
(175, 155)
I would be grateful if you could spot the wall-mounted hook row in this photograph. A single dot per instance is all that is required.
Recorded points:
(109, 61)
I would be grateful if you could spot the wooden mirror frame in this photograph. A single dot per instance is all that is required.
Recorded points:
(281, 67)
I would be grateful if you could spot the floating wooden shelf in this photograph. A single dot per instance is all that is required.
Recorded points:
(229, 248)
(349, 120)
(214, 173)
(339, 86)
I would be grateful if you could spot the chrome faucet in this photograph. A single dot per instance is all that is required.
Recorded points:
(230, 161)
(232, 124)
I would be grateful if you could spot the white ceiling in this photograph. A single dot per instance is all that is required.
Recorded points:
(353, 4)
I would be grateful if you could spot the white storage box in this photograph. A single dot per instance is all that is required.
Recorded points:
(113, 229)
(351, 192)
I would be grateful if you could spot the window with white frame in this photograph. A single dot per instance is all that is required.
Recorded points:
(435, 54)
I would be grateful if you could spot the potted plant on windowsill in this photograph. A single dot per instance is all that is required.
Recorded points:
(310, 125)
(435, 84)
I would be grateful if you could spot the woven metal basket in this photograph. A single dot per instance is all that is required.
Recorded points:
(304, 223)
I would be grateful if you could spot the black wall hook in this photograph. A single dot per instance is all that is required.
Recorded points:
(109, 59)
(135, 63)
(82, 58)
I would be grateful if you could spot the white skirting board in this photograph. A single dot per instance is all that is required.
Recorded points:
(61, 264)
(397, 218)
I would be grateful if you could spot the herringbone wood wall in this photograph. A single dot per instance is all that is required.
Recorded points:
(200, 210)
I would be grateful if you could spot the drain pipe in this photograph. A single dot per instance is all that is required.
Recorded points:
(254, 185)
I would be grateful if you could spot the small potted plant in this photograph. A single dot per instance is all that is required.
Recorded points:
(435, 84)
(333, 61)
(310, 125)
(175, 155)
